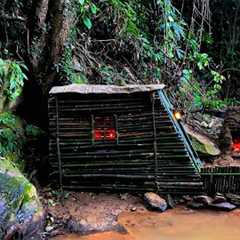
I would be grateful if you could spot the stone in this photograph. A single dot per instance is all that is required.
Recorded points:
(224, 160)
(219, 198)
(180, 201)
(75, 226)
(49, 228)
(202, 143)
(233, 198)
(196, 205)
(206, 124)
(224, 206)
(155, 202)
(124, 196)
(170, 201)
(76, 65)
(133, 209)
(187, 198)
(203, 199)
(20, 209)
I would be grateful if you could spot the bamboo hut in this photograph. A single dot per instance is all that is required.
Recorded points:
(105, 137)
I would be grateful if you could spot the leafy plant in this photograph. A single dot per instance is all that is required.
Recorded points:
(127, 17)
(11, 136)
(33, 131)
(11, 78)
(173, 28)
(87, 9)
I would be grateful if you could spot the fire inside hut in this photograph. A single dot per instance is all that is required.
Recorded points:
(120, 138)
(231, 133)
(236, 142)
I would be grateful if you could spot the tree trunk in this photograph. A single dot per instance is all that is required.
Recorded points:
(48, 45)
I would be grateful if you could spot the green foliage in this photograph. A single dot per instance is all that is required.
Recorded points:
(67, 71)
(87, 9)
(127, 17)
(65, 67)
(200, 84)
(111, 75)
(33, 131)
(173, 28)
(11, 135)
(11, 78)
(199, 95)
(8, 119)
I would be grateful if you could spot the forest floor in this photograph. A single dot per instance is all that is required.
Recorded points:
(124, 217)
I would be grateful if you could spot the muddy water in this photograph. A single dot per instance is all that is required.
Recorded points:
(178, 224)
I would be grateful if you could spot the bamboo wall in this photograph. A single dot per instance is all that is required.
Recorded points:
(149, 153)
(221, 179)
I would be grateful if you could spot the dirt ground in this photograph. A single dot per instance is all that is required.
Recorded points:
(91, 216)
(87, 212)
(176, 224)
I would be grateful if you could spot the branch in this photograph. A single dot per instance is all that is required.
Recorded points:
(13, 18)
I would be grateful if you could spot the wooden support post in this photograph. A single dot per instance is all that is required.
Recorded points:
(58, 144)
(154, 139)
(92, 126)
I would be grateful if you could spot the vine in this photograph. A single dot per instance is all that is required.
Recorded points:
(200, 83)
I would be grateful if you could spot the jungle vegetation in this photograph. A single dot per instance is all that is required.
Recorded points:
(191, 46)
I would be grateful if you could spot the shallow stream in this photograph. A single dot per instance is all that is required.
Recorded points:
(177, 224)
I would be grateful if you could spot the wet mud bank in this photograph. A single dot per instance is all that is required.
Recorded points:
(89, 216)
(176, 224)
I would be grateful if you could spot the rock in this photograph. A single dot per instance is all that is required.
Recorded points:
(196, 205)
(124, 196)
(155, 202)
(202, 143)
(224, 160)
(233, 198)
(49, 228)
(76, 64)
(75, 226)
(203, 199)
(224, 206)
(206, 124)
(187, 198)
(180, 201)
(133, 209)
(20, 209)
(170, 201)
(200, 202)
(219, 198)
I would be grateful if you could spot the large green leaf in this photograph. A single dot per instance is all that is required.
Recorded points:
(87, 22)
(93, 8)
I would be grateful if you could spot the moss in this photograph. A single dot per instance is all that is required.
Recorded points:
(198, 146)
(66, 63)
(205, 147)
(19, 190)
(20, 203)
(12, 138)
